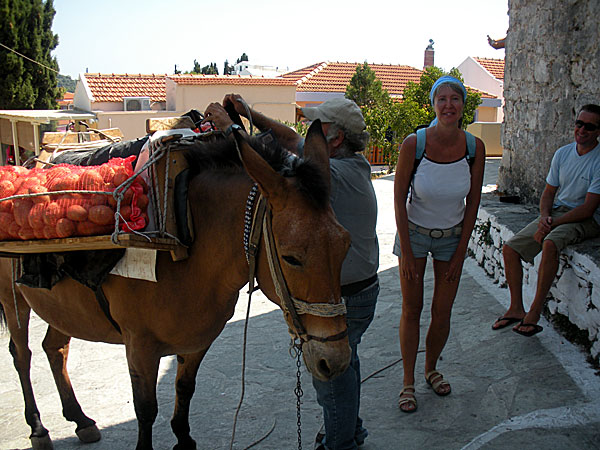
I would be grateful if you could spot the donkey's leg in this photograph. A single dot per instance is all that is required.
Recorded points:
(185, 385)
(19, 349)
(143, 370)
(56, 346)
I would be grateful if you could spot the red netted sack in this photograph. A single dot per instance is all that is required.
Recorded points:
(46, 212)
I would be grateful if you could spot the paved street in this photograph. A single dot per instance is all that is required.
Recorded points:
(508, 391)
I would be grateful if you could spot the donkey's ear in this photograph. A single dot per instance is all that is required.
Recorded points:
(315, 149)
(269, 182)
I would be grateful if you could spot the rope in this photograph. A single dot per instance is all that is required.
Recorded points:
(237, 411)
(40, 194)
(28, 58)
(385, 368)
(248, 115)
(119, 191)
(264, 437)
(319, 309)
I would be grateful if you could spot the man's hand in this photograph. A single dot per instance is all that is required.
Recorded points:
(497, 44)
(545, 224)
(238, 103)
(216, 114)
(544, 227)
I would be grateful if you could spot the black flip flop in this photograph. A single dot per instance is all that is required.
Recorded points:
(536, 329)
(508, 321)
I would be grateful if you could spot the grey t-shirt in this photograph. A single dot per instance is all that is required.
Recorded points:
(355, 206)
(354, 203)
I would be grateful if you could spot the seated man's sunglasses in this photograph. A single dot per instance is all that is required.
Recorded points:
(586, 125)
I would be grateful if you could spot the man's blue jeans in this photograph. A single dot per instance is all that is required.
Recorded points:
(340, 398)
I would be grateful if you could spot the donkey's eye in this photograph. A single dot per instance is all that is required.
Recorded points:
(291, 261)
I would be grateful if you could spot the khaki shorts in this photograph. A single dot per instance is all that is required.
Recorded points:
(563, 235)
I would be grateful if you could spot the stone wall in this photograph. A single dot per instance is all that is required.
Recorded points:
(552, 69)
(575, 294)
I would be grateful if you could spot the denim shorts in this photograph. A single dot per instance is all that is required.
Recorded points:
(422, 245)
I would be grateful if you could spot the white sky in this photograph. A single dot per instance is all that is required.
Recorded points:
(151, 36)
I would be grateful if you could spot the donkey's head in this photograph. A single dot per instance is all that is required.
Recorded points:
(309, 246)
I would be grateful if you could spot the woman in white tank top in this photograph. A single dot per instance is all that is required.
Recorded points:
(435, 214)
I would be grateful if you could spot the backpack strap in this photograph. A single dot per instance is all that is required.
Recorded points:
(421, 137)
(420, 149)
(471, 145)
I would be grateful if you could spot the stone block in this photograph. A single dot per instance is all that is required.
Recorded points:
(541, 73)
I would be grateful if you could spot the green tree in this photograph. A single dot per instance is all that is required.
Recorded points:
(66, 82)
(227, 69)
(365, 88)
(211, 69)
(28, 72)
(416, 109)
(197, 68)
(389, 122)
(244, 57)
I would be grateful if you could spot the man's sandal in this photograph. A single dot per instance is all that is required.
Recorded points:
(410, 399)
(436, 381)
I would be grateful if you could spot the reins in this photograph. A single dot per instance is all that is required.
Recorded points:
(292, 307)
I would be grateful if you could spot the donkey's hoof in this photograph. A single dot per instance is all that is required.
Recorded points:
(89, 434)
(41, 443)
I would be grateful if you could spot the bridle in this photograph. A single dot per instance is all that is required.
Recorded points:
(258, 224)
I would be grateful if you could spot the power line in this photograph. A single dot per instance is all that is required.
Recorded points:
(28, 58)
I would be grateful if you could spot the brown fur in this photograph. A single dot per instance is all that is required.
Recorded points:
(188, 307)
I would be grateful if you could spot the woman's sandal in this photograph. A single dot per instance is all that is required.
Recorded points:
(436, 381)
(409, 400)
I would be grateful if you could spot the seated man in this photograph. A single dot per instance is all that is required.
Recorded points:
(568, 214)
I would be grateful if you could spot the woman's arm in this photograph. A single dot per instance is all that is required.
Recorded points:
(402, 179)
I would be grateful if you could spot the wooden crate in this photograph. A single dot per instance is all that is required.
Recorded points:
(177, 163)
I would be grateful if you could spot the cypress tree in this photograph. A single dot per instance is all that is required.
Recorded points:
(26, 27)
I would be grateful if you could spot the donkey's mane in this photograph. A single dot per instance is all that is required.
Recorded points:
(222, 156)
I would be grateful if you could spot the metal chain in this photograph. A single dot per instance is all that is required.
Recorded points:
(297, 349)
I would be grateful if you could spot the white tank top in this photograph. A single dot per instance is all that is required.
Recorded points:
(438, 193)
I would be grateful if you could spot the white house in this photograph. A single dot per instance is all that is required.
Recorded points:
(486, 75)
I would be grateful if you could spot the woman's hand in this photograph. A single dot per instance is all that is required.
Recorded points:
(455, 268)
(408, 267)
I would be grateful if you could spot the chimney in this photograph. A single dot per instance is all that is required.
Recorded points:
(429, 54)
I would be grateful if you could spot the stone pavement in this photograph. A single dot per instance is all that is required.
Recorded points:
(507, 390)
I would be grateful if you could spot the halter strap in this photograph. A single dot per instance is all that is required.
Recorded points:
(292, 307)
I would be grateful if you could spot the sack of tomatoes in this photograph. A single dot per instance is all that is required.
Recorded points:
(45, 212)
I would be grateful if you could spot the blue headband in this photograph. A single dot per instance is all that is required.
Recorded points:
(447, 79)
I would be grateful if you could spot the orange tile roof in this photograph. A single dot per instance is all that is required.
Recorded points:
(112, 88)
(297, 74)
(335, 76)
(187, 79)
(483, 93)
(493, 66)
